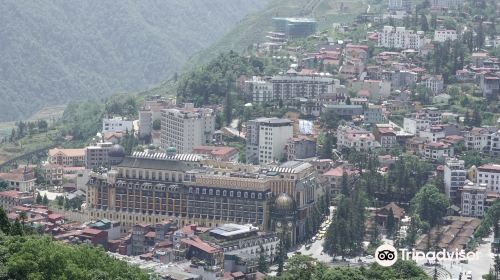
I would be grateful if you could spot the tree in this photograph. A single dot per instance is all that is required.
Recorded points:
(424, 23)
(156, 124)
(3, 185)
(390, 222)
(240, 126)
(344, 187)
(476, 118)
(430, 204)
(45, 200)
(38, 199)
(326, 148)
(281, 257)
(263, 265)
(4, 221)
(228, 108)
(16, 228)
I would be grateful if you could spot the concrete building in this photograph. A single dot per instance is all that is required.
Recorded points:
(434, 82)
(186, 128)
(479, 138)
(260, 89)
(333, 178)
(66, 157)
(386, 136)
(356, 138)
(116, 124)
(489, 174)
(150, 188)
(374, 114)
(438, 151)
(12, 198)
(300, 148)
(295, 27)
(400, 5)
(344, 110)
(443, 35)
(490, 86)
(473, 200)
(266, 139)
(234, 239)
(103, 154)
(21, 179)
(150, 112)
(400, 38)
(454, 177)
(289, 86)
(446, 4)
(222, 153)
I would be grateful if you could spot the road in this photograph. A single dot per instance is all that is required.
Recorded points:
(479, 266)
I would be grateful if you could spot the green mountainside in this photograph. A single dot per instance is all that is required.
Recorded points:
(55, 51)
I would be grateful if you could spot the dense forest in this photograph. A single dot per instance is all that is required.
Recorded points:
(52, 52)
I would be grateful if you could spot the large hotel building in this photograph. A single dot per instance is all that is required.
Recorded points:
(152, 187)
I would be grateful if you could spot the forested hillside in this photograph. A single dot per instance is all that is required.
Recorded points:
(55, 51)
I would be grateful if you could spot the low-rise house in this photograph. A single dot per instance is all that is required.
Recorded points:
(21, 179)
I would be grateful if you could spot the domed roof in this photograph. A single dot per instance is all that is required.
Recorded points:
(116, 151)
(284, 202)
(171, 150)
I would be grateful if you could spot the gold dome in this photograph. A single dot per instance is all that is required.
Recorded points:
(283, 202)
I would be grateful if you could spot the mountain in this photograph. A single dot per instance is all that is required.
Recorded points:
(53, 51)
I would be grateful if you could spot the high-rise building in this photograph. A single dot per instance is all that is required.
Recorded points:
(266, 139)
(473, 200)
(186, 128)
(454, 177)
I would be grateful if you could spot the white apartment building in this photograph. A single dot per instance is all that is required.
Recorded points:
(489, 174)
(400, 38)
(266, 139)
(434, 82)
(444, 35)
(291, 85)
(151, 111)
(438, 151)
(454, 177)
(484, 139)
(186, 128)
(473, 200)
(116, 124)
(260, 89)
(415, 125)
(446, 4)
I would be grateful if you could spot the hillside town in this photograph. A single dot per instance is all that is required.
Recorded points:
(383, 130)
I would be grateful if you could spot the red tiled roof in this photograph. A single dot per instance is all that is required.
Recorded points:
(199, 244)
(489, 167)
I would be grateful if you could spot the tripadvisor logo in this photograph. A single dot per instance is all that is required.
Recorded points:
(387, 255)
